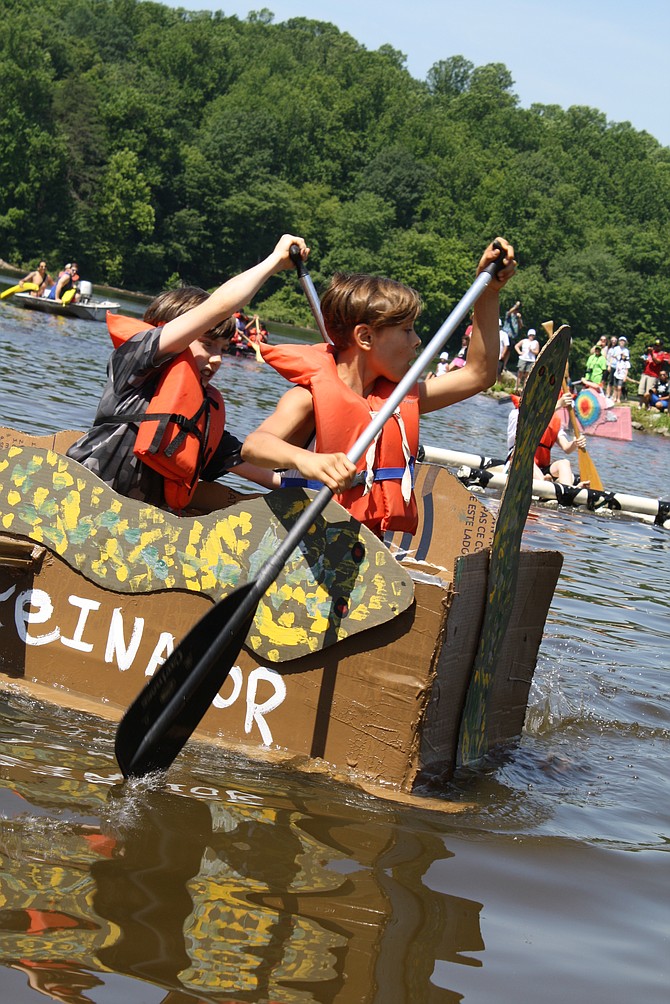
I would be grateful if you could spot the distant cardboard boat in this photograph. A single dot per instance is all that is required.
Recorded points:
(87, 308)
(599, 417)
(357, 663)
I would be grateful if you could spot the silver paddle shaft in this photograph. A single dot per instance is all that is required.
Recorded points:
(422, 361)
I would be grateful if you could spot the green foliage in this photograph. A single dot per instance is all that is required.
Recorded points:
(159, 145)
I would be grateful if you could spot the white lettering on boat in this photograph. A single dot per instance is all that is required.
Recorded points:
(255, 712)
(164, 648)
(116, 642)
(85, 607)
(235, 676)
(34, 607)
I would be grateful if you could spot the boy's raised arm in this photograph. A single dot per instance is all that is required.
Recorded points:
(224, 301)
(481, 368)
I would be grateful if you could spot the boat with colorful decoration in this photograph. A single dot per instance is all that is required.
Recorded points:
(360, 655)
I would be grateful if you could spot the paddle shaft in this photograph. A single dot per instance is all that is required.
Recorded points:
(181, 704)
(310, 291)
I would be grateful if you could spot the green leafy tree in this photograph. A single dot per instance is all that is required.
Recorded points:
(124, 214)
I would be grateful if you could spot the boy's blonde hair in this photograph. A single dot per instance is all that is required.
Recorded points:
(354, 298)
(175, 302)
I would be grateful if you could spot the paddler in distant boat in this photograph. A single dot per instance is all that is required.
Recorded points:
(544, 468)
(66, 280)
(40, 277)
(340, 386)
(159, 432)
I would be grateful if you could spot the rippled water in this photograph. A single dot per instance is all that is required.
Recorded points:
(248, 883)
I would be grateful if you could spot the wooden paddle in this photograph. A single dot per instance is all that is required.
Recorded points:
(587, 469)
(26, 287)
(163, 716)
(537, 406)
(253, 344)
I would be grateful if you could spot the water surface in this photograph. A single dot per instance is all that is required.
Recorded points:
(240, 882)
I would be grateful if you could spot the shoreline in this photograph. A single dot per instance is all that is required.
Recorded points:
(655, 423)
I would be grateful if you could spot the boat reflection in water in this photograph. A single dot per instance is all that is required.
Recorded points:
(226, 898)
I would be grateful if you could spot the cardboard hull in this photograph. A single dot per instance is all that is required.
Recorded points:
(381, 706)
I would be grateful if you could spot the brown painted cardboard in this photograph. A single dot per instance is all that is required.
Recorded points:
(377, 708)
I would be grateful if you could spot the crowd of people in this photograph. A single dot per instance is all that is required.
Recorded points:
(606, 372)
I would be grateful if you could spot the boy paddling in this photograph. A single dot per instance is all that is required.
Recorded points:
(160, 425)
(371, 323)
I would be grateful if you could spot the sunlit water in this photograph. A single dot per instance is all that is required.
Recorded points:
(240, 882)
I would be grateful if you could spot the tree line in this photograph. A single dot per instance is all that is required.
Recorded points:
(159, 146)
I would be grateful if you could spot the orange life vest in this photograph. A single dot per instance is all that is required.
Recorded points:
(183, 423)
(549, 437)
(382, 495)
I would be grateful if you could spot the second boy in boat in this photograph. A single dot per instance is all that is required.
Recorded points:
(160, 426)
(339, 387)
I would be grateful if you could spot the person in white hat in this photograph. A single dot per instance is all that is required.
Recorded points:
(442, 364)
(621, 370)
(528, 349)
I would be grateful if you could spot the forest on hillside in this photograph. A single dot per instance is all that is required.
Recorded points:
(159, 146)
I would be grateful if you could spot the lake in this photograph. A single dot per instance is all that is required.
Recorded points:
(238, 882)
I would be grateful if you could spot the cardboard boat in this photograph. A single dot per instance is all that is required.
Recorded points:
(360, 655)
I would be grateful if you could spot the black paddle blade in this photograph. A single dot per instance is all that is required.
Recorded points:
(166, 712)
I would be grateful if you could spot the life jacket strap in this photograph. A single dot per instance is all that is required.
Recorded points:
(381, 474)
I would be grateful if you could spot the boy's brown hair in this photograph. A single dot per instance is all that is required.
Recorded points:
(175, 302)
(354, 298)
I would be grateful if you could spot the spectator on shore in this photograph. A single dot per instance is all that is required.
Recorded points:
(658, 397)
(513, 324)
(612, 355)
(504, 349)
(596, 366)
(621, 370)
(655, 359)
(528, 349)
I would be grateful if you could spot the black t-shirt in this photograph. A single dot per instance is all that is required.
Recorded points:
(107, 449)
